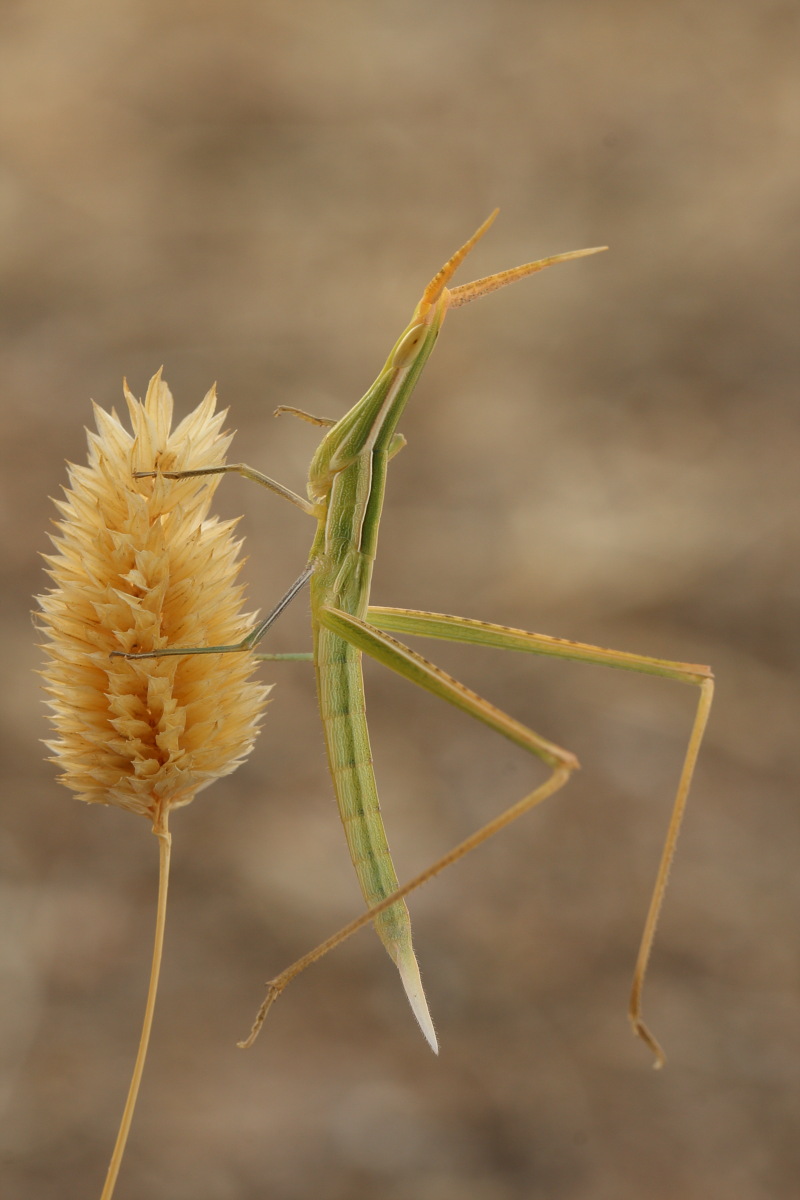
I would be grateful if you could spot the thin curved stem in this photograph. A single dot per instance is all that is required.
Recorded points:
(164, 847)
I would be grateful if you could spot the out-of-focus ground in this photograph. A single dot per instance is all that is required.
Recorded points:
(255, 193)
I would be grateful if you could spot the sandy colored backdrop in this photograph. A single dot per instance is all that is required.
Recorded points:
(255, 193)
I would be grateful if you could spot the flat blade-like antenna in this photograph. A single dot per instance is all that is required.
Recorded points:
(443, 276)
(490, 283)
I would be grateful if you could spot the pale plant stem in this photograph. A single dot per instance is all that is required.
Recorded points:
(164, 846)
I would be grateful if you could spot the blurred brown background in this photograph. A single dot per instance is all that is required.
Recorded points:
(256, 193)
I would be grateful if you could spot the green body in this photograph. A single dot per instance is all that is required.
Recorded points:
(347, 480)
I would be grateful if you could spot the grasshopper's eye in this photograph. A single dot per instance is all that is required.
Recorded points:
(408, 345)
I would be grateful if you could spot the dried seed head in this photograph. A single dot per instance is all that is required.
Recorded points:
(139, 566)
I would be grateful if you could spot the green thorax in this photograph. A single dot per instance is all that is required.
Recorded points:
(347, 476)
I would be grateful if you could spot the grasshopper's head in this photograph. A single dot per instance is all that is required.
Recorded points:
(423, 329)
(372, 421)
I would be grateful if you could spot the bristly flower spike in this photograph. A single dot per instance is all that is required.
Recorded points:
(138, 566)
